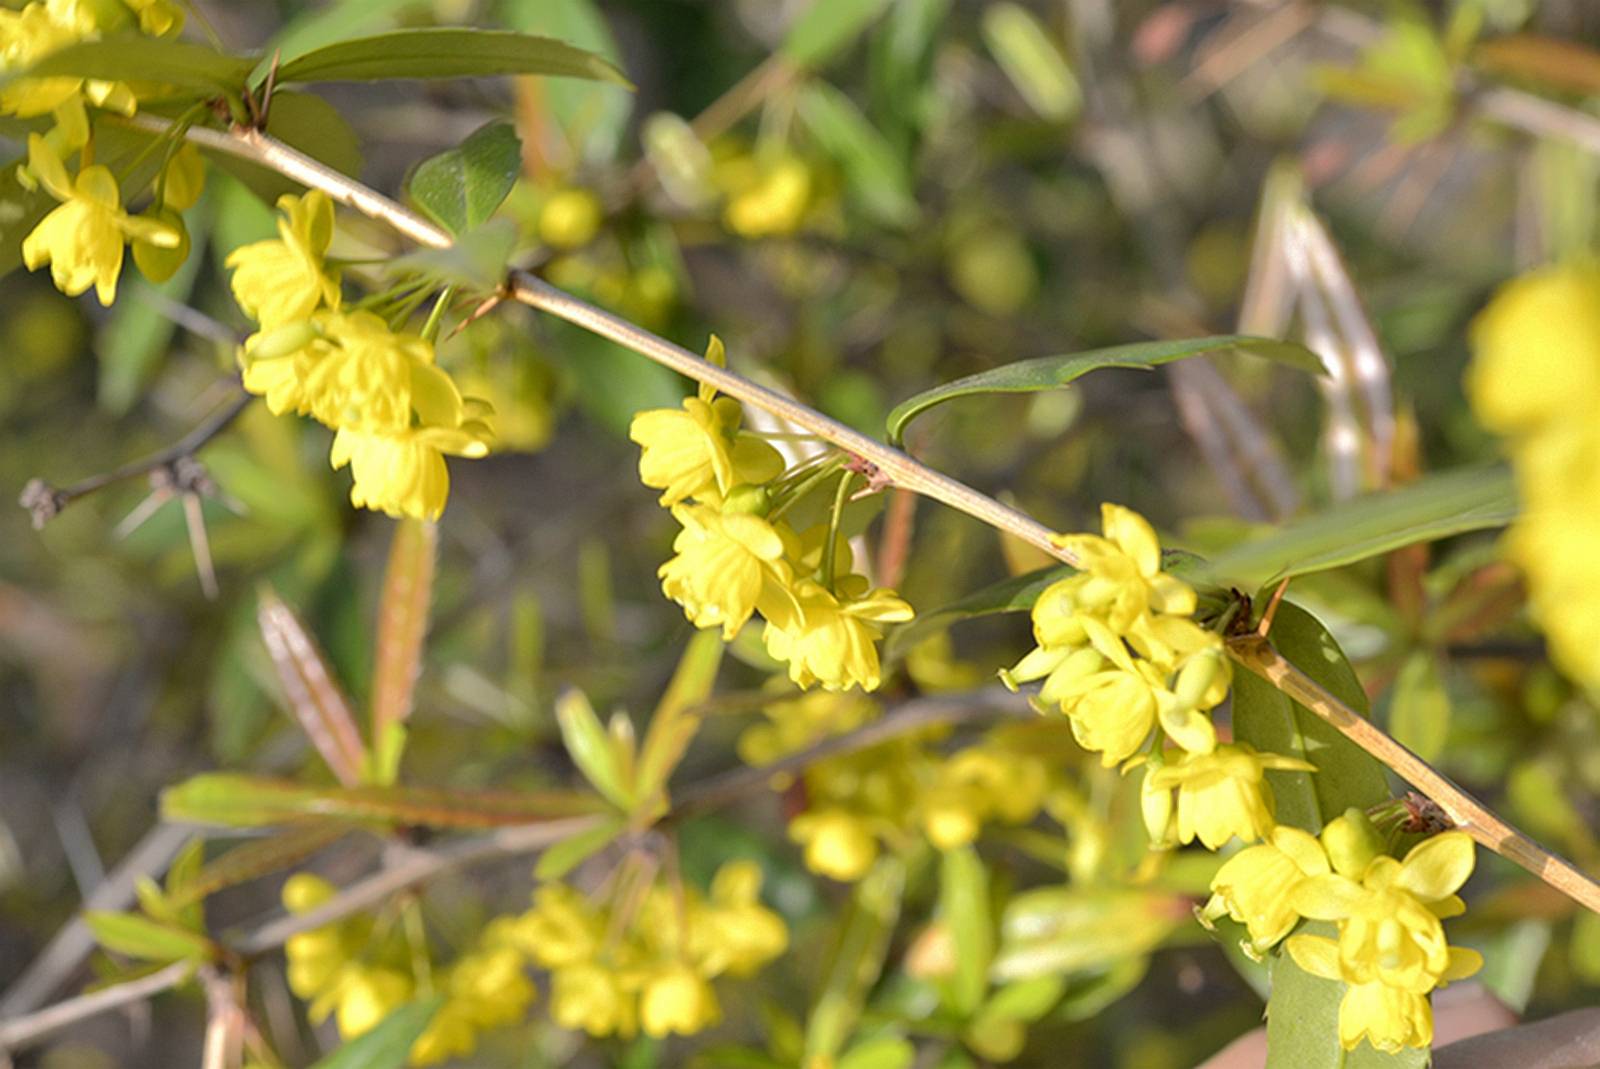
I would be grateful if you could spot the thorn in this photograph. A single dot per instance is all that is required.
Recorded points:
(200, 545)
(1272, 609)
(488, 305)
(266, 93)
(153, 501)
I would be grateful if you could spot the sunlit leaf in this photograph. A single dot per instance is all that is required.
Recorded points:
(673, 726)
(1031, 60)
(1419, 711)
(591, 748)
(827, 27)
(876, 177)
(1064, 930)
(1054, 372)
(964, 910)
(856, 958)
(460, 188)
(139, 58)
(445, 53)
(388, 1045)
(146, 939)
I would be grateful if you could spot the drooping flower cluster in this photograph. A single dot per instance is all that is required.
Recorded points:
(1536, 380)
(332, 967)
(735, 557)
(84, 237)
(1390, 948)
(1121, 657)
(620, 968)
(397, 414)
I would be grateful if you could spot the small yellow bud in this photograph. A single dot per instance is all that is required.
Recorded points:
(570, 218)
(160, 262)
(747, 499)
(1352, 842)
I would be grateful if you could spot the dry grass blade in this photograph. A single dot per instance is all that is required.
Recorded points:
(402, 627)
(314, 697)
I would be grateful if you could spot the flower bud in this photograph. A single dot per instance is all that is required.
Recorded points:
(1157, 807)
(570, 218)
(157, 262)
(746, 499)
(1352, 842)
(281, 341)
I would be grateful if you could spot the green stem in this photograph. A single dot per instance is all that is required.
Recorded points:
(430, 329)
(831, 546)
(791, 497)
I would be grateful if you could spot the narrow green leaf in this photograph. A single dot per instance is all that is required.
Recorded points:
(568, 854)
(459, 189)
(1267, 719)
(137, 58)
(257, 858)
(1026, 1000)
(1419, 710)
(880, 1052)
(1438, 506)
(591, 749)
(1014, 594)
(874, 175)
(388, 1045)
(146, 939)
(314, 698)
(321, 26)
(1053, 372)
(241, 801)
(1303, 1022)
(446, 53)
(855, 961)
(964, 909)
(1066, 930)
(828, 27)
(1031, 60)
(672, 726)
(402, 626)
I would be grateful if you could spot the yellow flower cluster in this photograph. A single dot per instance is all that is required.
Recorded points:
(1536, 380)
(83, 238)
(620, 969)
(1390, 950)
(767, 196)
(1120, 656)
(487, 987)
(733, 561)
(396, 413)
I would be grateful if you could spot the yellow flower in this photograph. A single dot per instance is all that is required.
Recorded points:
(699, 451)
(280, 281)
(184, 178)
(484, 989)
(769, 200)
(315, 957)
(277, 363)
(734, 932)
(985, 782)
(1122, 577)
(677, 999)
(368, 374)
(1387, 1017)
(588, 997)
(570, 218)
(367, 996)
(160, 18)
(561, 929)
(82, 240)
(1224, 793)
(727, 565)
(831, 642)
(838, 844)
(1389, 928)
(403, 473)
(1255, 886)
(801, 721)
(1537, 350)
(29, 35)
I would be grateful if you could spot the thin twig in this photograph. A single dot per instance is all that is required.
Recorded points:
(1477, 820)
(45, 501)
(23, 1031)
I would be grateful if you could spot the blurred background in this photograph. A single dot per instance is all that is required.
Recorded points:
(947, 186)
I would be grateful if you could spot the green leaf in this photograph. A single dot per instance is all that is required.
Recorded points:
(1436, 507)
(461, 188)
(312, 693)
(256, 858)
(1419, 710)
(964, 909)
(1053, 372)
(874, 175)
(1065, 930)
(1026, 1000)
(402, 627)
(879, 1052)
(1270, 721)
(237, 800)
(672, 726)
(137, 58)
(388, 1045)
(855, 961)
(146, 939)
(305, 122)
(568, 854)
(1032, 61)
(315, 28)
(828, 27)
(1303, 1022)
(1014, 594)
(446, 53)
(591, 748)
